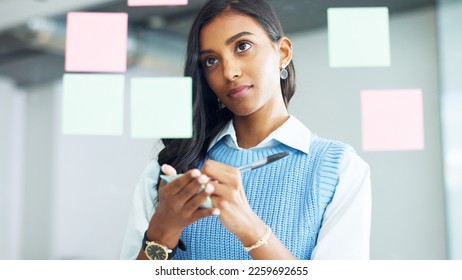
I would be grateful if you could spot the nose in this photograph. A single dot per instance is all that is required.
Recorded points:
(231, 69)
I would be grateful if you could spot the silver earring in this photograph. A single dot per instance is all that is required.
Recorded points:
(284, 74)
(220, 105)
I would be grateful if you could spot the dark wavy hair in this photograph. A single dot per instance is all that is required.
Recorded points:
(208, 117)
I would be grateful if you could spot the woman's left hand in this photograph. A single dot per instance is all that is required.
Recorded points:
(229, 197)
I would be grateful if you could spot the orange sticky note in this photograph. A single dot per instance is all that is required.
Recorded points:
(156, 2)
(392, 120)
(96, 42)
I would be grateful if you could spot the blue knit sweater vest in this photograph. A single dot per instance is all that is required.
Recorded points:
(290, 195)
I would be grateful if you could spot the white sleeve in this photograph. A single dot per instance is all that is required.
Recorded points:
(142, 210)
(345, 229)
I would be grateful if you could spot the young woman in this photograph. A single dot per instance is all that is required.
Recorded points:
(312, 204)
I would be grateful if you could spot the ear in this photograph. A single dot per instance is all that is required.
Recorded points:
(285, 51)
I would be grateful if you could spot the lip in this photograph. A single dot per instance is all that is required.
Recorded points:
(239, 91)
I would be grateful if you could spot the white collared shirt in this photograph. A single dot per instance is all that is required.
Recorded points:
(345, 229)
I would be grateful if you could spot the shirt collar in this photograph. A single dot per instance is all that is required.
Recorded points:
(291, 133)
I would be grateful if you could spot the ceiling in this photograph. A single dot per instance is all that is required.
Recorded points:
(27, 60)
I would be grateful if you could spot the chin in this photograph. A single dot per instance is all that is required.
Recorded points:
(243, 112)
(245, 108)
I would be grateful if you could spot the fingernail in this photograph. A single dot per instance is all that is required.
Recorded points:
(168, 169)
(195, 173)
(216, 212)
(203, 179)
(209, 188)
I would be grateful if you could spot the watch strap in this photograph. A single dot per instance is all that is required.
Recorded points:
(171, 254)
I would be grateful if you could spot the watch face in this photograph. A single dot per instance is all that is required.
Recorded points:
(156, 252)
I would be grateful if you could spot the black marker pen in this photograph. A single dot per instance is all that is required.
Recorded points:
(262, 162)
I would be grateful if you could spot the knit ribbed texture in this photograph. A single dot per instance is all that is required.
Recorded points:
(290, 195)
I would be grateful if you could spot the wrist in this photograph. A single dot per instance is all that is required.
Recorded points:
(253, 234)
(261, 241)
(155, 250)
(165, 235)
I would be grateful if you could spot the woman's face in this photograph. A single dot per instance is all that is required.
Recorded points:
(241, 63)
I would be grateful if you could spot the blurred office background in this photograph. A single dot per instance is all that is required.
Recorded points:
(69, 196)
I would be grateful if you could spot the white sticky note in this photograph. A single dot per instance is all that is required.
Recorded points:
(359, 37)
(392, 120)
(161, 107)
(92, 104)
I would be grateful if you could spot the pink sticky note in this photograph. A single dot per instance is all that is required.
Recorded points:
(156, 2)
(96, 42)
(392, 120)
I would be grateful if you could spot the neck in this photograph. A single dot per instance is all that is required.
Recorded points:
(254, 128)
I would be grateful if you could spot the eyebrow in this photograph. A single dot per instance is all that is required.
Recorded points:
(237, 36)
(229, 41)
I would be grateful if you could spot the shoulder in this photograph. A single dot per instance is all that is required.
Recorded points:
(342, 156)
(329, 151)
(317, 141)
(353, 175)
(354, 165)
(349, 158)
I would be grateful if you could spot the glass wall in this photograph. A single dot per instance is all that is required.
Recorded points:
(450, 54)
(383, 77)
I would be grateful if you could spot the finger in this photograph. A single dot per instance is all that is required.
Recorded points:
(205, 212)
(168, 169)
(225, 195)
(202, 196)
(221, 172)
(175, 186)
(219, 189)
(222, 195)
(191, 189)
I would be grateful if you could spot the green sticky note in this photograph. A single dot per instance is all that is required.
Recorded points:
(92, 104)
(168, 178)
(359, 37)
(161, 107)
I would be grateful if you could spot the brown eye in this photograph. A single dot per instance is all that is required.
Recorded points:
(209, 62)
(243, 46)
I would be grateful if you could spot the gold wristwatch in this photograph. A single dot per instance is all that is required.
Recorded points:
(156, 250)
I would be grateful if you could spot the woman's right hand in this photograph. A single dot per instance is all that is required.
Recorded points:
(179, 205)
